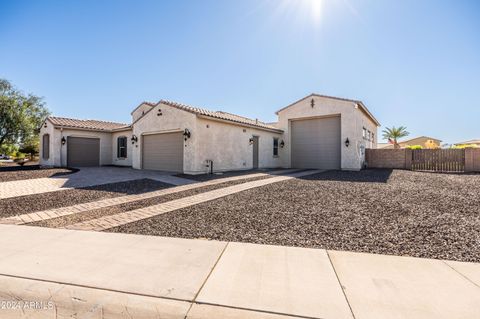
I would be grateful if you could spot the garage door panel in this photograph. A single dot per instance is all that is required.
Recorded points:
(163, 152)
(83, 152)
(316, 143)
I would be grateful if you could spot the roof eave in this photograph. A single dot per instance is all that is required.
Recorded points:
(274, 130)
(146, 103)
(80, 128)
(365, 109)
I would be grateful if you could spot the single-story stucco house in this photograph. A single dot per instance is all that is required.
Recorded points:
(423, 141)
(316, 131)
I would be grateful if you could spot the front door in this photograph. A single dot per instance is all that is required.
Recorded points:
(255, 152)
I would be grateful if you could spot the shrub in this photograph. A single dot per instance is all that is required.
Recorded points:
(465, 146)
(415, 147)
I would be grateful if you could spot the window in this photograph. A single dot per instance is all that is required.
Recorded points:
(364, 133)
(369, 136)
(46, 146)
(122, 147)
(275, 146)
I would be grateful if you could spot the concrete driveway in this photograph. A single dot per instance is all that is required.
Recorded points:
(87, 176)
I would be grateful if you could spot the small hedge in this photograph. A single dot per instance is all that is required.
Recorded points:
(415, 147)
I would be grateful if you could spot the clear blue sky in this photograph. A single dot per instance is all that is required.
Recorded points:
(412, 62)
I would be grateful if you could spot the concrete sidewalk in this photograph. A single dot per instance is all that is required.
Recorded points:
(107, 275)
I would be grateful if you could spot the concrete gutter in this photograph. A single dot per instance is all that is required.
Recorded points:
(63, 273)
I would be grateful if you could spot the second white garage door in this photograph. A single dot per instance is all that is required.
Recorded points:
(163, 152)
(316, 143)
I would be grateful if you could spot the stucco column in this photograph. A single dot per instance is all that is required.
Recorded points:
(469, 167)
(408, 158)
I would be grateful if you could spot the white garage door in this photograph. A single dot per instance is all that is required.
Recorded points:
(163, 152)
(316, 143)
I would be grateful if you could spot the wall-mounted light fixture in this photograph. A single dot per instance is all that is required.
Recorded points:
(347, 142)
(250, 141)
(186, 134)
(134, 139)
(282, 144)
(63, 140)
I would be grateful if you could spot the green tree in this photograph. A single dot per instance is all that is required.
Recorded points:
(20, 116)
(395, 133)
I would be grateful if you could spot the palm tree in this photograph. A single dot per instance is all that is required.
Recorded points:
(394, 133)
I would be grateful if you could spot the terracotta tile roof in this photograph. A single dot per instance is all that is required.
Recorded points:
(220, 115)
(86, 124)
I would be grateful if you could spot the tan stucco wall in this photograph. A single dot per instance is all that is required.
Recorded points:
(228, 146)
(352, 122)
(122, 161)
(172, 119)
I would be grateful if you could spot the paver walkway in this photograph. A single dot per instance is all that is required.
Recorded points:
(85, 207)
(88, 176)
(108, 275)
(116, 220)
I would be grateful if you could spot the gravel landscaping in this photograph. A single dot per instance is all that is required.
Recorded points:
(76, 218)
(376, 211)
(39, 202)
(15, 173)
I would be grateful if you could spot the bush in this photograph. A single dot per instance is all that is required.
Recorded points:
(465, 146)
(9, 149)
(415, 147)
(19, 155)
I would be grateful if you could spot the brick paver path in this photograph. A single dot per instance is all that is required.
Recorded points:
(85, 207)
(88, 176)
(115, 220)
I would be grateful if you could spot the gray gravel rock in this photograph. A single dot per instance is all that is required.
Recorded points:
(39, 202)
(15, 173)
(376, 211)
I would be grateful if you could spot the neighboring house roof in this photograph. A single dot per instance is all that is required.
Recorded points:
(220, 115)
(87, 124)
(358, 102)
(383, 145)
(469, 142)
(419, 137)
